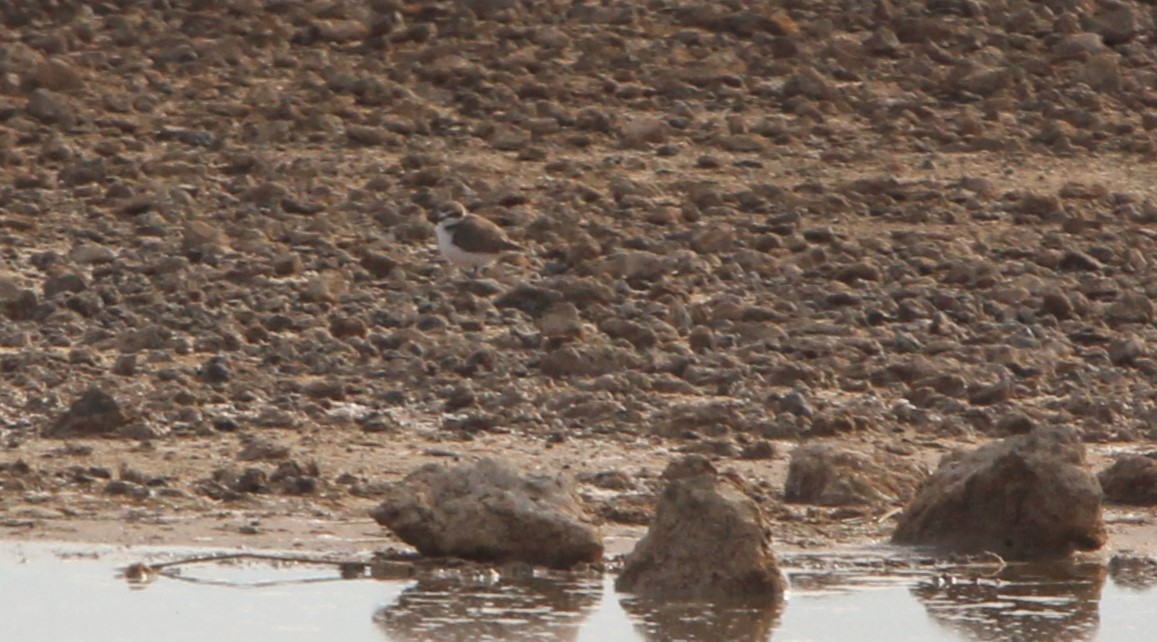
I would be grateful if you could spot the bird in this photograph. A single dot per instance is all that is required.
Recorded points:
(468, 240)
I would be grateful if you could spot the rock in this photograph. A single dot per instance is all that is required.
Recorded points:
(142, 431)
(609, 480)
(758, 450)
(639, 132)
(1058, 304)
(488, 8)
(343, 327)
(1102, 73)
(57, 75)
(1131, 307)
(584, 361)
(287, 264)
(639, 335)
(96, 412)
(825, 475)
(712, 239)
(125, 365)
(1039, 204)
(810, 84)
(551, 37)
(1079, 190)
(256, 449)
(92, 253)
(66, 282)
(487, 511)
(709, 418)
(327, 287)
(989, 394)
(127, 488)
(20, 305)
(341, 30)
(701, 339)
(1132, 479)
(593, 119)
(862, 271)
(635, 264)
(1126, 351)
(561, 321)
(328, 388)
(796, 403)
(215, 370)
(882, 42)
(531, 299)
(1078, 45)
(1118, 24)
(294, 478)
(378, 265)
(229, 482)
(1025, 497)
(51, 108)
(508, 139)
(83, 172)
(1014, 423)
(150, 337)
(1077, 261)
(708, 541)
(983, 81)
(377, 422)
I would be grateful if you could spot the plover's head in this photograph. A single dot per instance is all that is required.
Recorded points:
(449, 212)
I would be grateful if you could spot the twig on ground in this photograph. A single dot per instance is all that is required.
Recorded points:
(141, 572)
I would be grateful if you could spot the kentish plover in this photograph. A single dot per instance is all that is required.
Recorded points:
(468, 240)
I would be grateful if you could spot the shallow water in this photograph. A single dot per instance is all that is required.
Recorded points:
(66, 592)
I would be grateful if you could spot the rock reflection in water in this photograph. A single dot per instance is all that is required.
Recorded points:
(1027, 603)
(511, 610)
(701, 622)
(1134, 573)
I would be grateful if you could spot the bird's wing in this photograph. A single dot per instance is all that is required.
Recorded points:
(478, 235)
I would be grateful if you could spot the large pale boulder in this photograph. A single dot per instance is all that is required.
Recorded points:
(488, 511)
(1026, 497)
(708, 542)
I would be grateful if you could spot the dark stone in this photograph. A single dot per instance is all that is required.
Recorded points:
(531, 299)
(68, 282)
(1132, 479)
(94, 413)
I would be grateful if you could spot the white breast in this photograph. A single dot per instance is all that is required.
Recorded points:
(456, 256)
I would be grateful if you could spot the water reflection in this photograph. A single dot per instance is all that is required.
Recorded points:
(1135, 573)
(1029, 603)
(836, 597)
(472, 608)
(699, 622)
